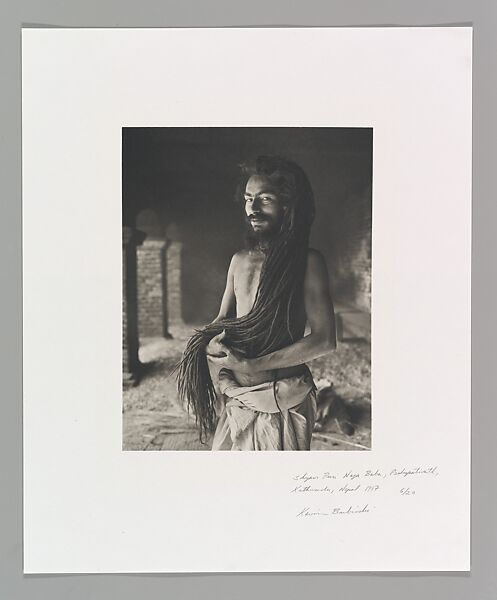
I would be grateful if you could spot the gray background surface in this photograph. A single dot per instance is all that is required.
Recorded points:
(481, 584)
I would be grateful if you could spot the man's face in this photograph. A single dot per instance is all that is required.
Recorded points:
(263, 207)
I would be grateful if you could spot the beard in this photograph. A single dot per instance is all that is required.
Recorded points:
(260, 238)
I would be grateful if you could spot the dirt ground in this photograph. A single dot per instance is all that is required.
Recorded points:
(154, 420)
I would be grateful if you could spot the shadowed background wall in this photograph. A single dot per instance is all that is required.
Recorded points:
(188, 177)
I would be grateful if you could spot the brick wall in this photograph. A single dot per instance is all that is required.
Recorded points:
(152, 317)
(173, 269)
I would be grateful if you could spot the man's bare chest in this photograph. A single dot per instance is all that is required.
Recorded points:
(246, 282)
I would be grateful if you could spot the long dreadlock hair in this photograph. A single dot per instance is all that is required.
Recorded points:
(267, 327)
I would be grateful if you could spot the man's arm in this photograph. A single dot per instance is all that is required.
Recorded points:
(228, 299)
(321, 318)
(228, 305)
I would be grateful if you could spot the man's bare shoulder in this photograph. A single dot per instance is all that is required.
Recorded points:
(316, 262)
(239, 259)
(315, 259)
(317, 270)
(314, 254)
(246, 259)
(241, 255)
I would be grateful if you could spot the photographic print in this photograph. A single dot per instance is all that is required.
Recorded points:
(227, 250)
(247, 288)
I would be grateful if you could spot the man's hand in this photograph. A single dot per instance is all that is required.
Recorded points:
(222, 356)
(232, 361)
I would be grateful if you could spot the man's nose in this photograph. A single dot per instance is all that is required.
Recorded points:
(255, 206)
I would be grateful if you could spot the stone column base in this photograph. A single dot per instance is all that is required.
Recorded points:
(130, 379)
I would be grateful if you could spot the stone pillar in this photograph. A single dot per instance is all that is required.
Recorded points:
(174, 249)
(174, 282)
(152, 278)
(131, 365)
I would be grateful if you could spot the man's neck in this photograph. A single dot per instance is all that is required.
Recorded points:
(260, 244)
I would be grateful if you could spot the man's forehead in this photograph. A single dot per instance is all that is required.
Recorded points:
(258, 183)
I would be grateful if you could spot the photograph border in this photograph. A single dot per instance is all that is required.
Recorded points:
(482, 582)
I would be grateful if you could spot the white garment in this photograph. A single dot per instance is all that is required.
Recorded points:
(269, 416)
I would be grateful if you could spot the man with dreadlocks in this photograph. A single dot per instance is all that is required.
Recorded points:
(256, 344)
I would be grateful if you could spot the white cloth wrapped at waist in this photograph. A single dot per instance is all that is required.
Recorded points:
(275, 415)
(267, 397)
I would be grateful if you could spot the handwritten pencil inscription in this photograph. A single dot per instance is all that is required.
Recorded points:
(348, 493)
